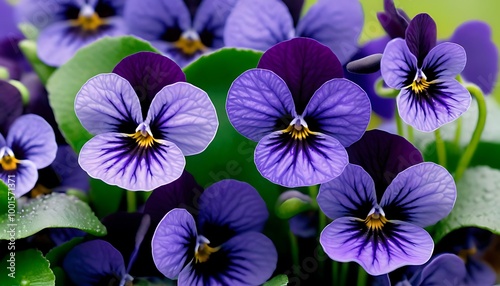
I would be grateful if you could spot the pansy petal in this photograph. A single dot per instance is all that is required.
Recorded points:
(3, 143)
(482, 54)
(295, 8)
(183, 114)
(174, 238)
(296, 163)
(398, 64)
(118, 160)
(7, 20)
(339, 108)
(31, 138)
(335, 23)
(107, 103)
(447, 100)
(66, 167)
(258, 103)
(304, 64)
(148, 73)
(11, 103)
(444, 60)
(24, 177)
(422, 194)
(347, 239)
(444, 269)
(421, 36)
(92, 262)
(392, 21)
(351, 194)
(41, 13)
(211, 18)
(479, 272)
(258, 24)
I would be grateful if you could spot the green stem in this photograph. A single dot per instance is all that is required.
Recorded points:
(335, 273)
(344, 273)
(476, 136)
(399, 124)
(411, 135)
(313, 193)
(295, 248)
(458, 132)
(131, 201)
(362, 276)
(440, 148)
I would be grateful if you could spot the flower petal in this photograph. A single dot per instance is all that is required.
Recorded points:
(183, 114)
(258, 103)
(230, 207)
(296, 163)
(211, 18)
(304, 64)
(118, 160)
(336, 24)
(258, 24)
(446, 101)
(346, 239)
(351, 194)
(66, 167)
(479, 272)
(12, 105)
(295, 8)
(444, 60)
(148, 73)
(174, 238)
(339, 108)
(31, 138)
(421, 36)
(24, 177)
(398, 65)
(422, 194)
(392, 21)
(444, 269)
(107, 103)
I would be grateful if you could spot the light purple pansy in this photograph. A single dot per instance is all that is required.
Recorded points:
(387, 234)
(260, 24)
(30, 145)
(224, 246)
(141, 137)
(179, 29)
(300, 110)
(66, 26)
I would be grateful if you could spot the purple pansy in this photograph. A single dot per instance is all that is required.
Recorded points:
(30, 145)
(66, 26)
(260, 24)
(146, 119)
(300, 110)
(182, 30)
(12, 105)
(223, 246)
(425, 73)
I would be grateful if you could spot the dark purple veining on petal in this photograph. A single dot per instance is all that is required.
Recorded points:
(421, 36)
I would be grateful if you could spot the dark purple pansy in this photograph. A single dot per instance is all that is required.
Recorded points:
(300, 110)
(67, 26)
(394, 21)
(12, 105)
(425, 73)
(141, 140)
(30, 145)
(223, 246)
(260, 24)
(182, 30)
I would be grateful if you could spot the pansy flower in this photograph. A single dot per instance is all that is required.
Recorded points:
(300, 110)
(223, 246)
(66, 26)
(182, 30)
(260, 24)
(425, 73)
(145, 120)
(30, 145)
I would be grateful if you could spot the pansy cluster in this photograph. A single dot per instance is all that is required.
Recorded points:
(115, 111)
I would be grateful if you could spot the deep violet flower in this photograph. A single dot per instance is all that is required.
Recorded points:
(12, 105)
(223, 246)
(30, 145)
(260, 24)
(66, 26)
(300, 110)
(180, 29)
(145, 120)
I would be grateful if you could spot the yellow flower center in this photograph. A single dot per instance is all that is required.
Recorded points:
(88, 23)
(203, 252)
(39, 190)
(420, 85)
(375, 221)
(9, 163)
(297, 131)
(143, 139)
(466, 253)
(189, 46)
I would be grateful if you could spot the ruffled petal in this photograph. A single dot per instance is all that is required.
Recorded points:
(31, 138)
(352, 194)
(148, 73)
(107, 103)
(12, 105)
(398, 65)
(444, 269)
(296, 163)
(392, 21)
(446, 101)
(421, 36)
(183, 114)
(339, 108)
(443, 61)
(42, 13)
(304, 64)
(258, 24)
(258, 103)
(24, 177)
(174, 239)
(335, 23)
(118, 160)
(422, 194)
(211, 18)
(399, 244)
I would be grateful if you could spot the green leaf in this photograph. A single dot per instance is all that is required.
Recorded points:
(28, 47)
(51, 211)
(477, 202)
(292, 207)
(29, 31)
(29, 267)
(105, 199)
(6, 196)
(453, 154)
(280, 280)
